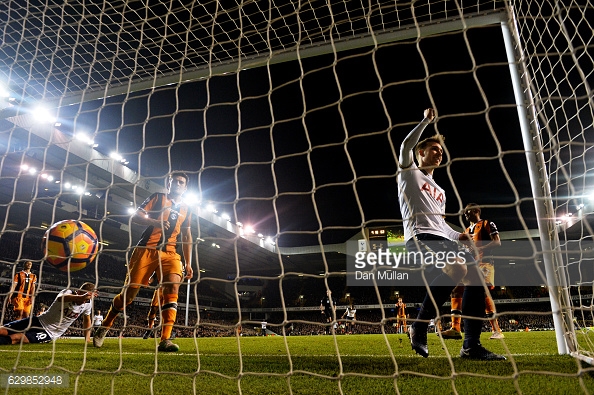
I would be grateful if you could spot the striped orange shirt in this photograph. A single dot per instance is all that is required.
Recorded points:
(24, 284)
(158, 206)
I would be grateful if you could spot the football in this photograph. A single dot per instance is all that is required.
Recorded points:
(70, 245)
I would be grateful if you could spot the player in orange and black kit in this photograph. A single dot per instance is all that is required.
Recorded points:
(166, 217)
(400, 316)
(23, 289)
(485, 236)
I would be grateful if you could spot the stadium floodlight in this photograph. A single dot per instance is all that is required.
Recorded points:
(4, 93)
(131, 210)
(42, 115)
(48, 177)
(85, 139)
(211, 208)
(226, 217)
(250, 229)
(32, 170)
(191, 199)
(116, 156)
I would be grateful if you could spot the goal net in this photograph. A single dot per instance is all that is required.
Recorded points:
(288, 118)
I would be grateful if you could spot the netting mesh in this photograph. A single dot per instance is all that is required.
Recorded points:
(559, 61)
(52, 50)
(288, 118)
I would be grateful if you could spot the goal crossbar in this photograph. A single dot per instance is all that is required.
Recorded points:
(436, 27)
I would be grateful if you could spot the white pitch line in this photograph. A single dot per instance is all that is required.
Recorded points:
(248, 355)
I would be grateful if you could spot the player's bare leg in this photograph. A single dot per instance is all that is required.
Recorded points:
(490, 311)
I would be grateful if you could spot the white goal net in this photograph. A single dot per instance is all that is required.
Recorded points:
(288, 117)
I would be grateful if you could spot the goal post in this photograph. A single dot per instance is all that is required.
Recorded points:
(545, 213)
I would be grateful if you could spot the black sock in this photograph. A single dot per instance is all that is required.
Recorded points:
(440, 288)
(5, 340)
(473, 304)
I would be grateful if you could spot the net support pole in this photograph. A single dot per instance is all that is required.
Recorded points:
(549, 238)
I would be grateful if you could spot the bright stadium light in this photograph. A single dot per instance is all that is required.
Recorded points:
(131, 210)
(32, 170)
(48, 177)
(191, 199)
(250, 229)
(211, 208)
(42, 115)
(4, 93)
(226, 217)
(115, 156)
(85, 139)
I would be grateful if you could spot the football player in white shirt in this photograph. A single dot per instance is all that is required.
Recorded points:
(66, 308)
(422, 205)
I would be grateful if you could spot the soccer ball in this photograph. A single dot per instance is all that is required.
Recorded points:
(70, 245)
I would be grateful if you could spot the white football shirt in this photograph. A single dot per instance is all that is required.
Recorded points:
(60, 315)
(422, 202)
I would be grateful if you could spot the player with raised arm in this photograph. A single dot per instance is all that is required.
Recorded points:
(165, 216)
(22, 291)
(52, 324)
(486, 237)
(422, 205)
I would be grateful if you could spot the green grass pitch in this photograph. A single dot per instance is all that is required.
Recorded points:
(357, 364)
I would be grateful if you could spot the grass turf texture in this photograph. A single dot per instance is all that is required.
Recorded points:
(358, 364)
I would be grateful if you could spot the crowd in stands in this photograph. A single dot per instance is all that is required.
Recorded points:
(297, 292)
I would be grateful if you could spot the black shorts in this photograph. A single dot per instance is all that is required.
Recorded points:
(31, 328)
(428, 243)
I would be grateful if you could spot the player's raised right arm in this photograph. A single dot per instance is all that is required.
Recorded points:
(406, 149)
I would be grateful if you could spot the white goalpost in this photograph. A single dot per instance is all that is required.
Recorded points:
(287, 117)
